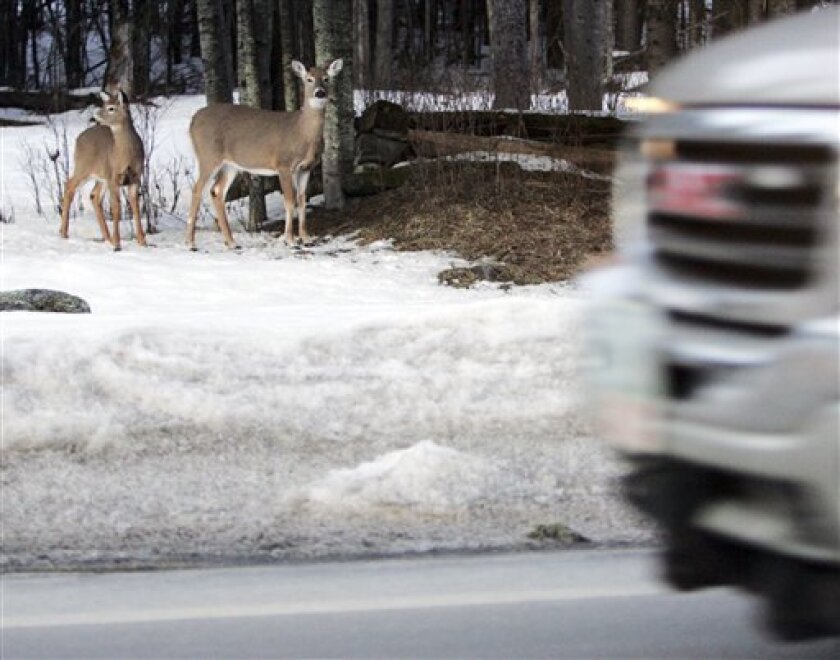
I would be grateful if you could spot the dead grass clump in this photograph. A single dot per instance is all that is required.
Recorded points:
(540, 226)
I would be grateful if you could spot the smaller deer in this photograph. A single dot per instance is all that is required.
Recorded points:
(230, 138)
(112, 153)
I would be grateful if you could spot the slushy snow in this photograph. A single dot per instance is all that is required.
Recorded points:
(271, 402)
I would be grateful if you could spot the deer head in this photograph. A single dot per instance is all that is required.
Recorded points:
(314, 81)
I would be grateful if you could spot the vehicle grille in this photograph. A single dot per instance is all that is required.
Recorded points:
(747, 215)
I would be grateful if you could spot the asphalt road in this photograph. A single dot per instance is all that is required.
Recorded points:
(572, 604)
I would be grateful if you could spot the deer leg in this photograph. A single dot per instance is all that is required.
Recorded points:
(287, 185)
(198, 193)
(134, 200)
(69, 194)
(116, 215)
(96, 198)
(302, 180)
(219, 192)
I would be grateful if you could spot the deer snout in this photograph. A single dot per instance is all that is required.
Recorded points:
(320, 93)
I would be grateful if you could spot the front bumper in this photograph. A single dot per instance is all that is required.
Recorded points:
(763, 412)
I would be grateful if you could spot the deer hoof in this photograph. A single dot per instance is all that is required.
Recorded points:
(117, 248)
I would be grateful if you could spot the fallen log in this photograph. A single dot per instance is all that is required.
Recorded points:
(44, 103)
(434, 144)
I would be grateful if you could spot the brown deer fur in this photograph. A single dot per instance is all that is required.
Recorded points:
(111, 153)
(230, 138)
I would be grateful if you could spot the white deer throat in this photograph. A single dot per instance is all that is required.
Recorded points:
(317, 104)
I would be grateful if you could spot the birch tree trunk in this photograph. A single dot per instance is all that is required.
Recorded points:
(384, 43)
(120, 61)
(507, 39)
(333, 21)
(218, 86)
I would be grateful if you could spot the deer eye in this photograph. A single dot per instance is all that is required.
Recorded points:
(310, 79)
(111, 109)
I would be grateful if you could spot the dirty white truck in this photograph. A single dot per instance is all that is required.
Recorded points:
(716, 335)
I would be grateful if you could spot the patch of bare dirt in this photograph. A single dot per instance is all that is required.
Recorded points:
(534, 227)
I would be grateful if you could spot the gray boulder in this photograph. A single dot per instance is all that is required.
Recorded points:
(42, 300)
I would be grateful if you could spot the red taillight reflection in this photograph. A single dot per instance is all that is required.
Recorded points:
(693, 190)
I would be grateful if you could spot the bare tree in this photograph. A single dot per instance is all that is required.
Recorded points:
(333, 20)
(780, 7)
(120, 71)
(214, 51)
(628, 25)
(361, 56)
(587, 39)
(288, 52)
(697, 23)
(507, 39)
(661, 33)
(254, 54)
(728, 16)
(384, 43)
(536, 51)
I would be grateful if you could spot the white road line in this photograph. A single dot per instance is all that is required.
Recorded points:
(112, 617)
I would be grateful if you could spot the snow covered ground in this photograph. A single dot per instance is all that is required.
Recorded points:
(272, 402)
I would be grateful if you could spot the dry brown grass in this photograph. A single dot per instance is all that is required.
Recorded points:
(541, 226)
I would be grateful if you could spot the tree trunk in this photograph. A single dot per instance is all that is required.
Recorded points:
(384, 43)
(755, 11)
(661, 32)
(288, 52)
(73, 54)
(728, 16)
(361, 56)
(428, 30)
(218, 86)
(554, 50)
(120, 57)
(508, 39)
(333, 20)
(536, 60)
(697, 23)
(586, 30)
(141, 33)
(628, 25)
(253, 79)
(305, 31)
(780, 7)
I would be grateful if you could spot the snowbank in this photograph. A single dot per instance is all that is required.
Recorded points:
(279, 402)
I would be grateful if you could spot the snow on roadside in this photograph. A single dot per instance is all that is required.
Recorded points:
(279, 402)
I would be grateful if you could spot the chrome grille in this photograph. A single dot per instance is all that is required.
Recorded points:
(744, 214)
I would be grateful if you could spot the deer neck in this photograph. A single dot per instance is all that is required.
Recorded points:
(311, 121)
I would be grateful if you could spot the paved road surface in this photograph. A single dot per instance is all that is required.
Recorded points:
(573, 604)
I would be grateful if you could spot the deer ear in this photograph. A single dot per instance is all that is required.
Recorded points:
(299, 69)
(335, 67)
(105, 96)
(123, 97)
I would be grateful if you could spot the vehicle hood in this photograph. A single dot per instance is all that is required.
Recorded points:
(792, 61)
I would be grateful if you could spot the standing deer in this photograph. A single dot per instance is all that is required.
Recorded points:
(230, 138)
(112, 153)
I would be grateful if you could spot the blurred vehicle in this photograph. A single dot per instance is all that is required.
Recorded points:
(716, 333)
